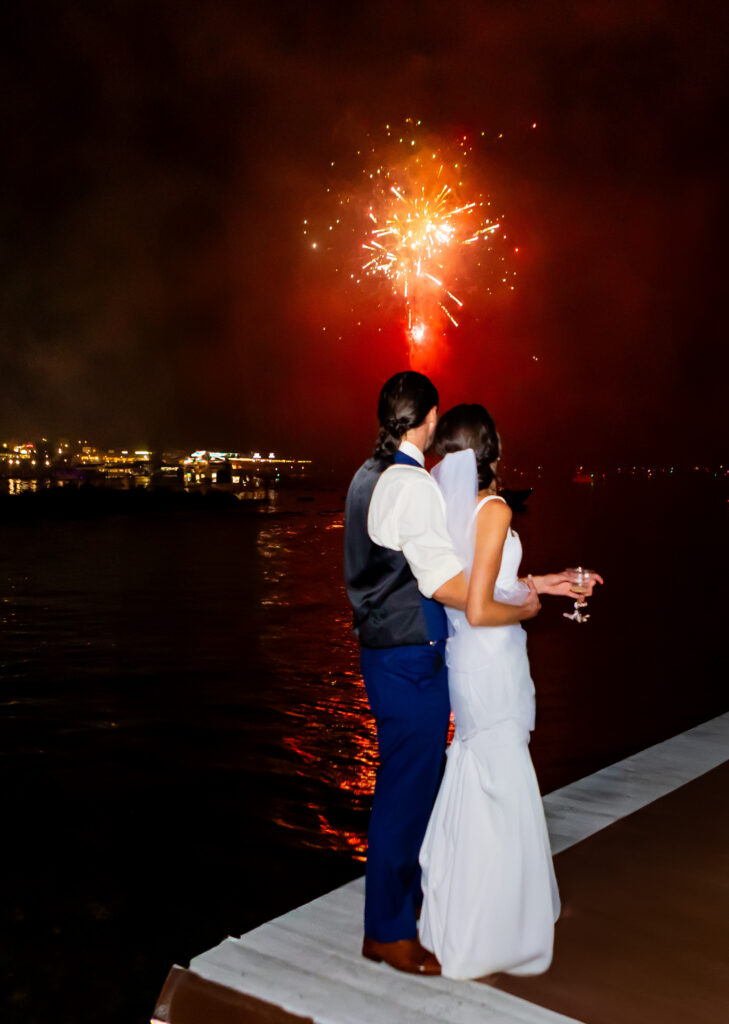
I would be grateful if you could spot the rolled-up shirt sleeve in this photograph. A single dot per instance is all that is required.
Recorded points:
(407, 513)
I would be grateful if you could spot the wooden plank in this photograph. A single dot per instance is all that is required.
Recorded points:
(337, 987)
(186, 998)
(584, 807)
(646, 935)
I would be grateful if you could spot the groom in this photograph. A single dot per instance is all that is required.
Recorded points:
(400, 569)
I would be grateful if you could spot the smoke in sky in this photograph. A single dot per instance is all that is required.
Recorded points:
(155, 287)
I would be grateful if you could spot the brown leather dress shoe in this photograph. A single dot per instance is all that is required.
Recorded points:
(404, 955)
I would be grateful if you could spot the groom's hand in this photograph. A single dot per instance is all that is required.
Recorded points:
(531, 606)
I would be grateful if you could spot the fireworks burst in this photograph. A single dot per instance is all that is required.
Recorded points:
(420, 226)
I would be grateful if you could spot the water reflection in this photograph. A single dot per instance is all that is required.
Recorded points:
(17, 485)
(308, 642)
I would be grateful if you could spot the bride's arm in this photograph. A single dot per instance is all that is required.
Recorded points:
(492, 524)
(560, 585)
(453, 592)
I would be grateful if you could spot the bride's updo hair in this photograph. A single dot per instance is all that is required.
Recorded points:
(470, 426)
(405, 401)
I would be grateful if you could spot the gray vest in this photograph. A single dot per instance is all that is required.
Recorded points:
(389, 610)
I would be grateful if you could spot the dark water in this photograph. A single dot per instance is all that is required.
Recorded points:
(185, 745)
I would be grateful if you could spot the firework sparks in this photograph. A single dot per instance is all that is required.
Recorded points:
(421, 227)
(420, 223)
(413, 242)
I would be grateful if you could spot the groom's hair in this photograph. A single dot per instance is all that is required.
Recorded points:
(470, 426)
(405, 401)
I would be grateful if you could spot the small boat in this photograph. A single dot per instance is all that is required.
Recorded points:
(516, 499)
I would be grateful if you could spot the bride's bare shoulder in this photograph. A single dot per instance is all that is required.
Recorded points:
(495, 511)
(492, 525)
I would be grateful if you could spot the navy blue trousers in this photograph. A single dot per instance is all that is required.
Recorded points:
(407, 689)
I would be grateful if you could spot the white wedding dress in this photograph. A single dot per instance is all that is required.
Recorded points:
(490, 895)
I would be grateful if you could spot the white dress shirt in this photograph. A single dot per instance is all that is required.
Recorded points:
(407, 513)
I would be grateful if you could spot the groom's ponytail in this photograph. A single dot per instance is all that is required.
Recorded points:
(405, 401)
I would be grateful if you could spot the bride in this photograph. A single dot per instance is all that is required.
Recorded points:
(490, 894)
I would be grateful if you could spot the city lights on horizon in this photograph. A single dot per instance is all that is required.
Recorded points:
(39, 466)
(66, 460)
(23, 452)
(45, 459)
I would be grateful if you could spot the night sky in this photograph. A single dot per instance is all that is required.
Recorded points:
(158, 159)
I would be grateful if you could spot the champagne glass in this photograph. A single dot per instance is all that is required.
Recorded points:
(580, 578)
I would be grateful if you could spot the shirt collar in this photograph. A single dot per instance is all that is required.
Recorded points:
(408, 448)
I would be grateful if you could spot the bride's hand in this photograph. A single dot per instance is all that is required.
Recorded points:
(559, 585)
(531, 606)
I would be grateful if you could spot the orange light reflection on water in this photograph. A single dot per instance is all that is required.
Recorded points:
(313, 650)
